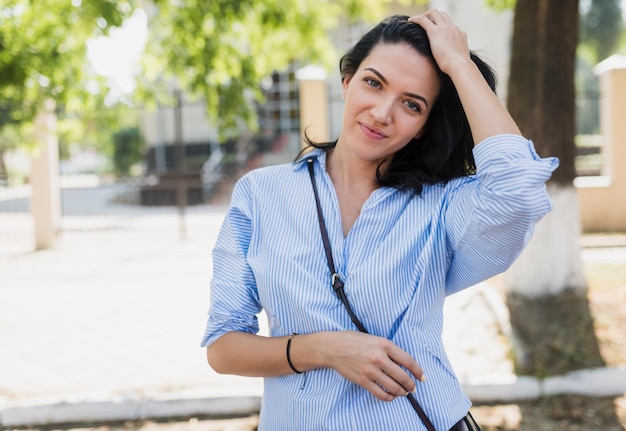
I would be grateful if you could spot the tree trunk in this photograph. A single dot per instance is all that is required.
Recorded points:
(542, 95)
(547, 292)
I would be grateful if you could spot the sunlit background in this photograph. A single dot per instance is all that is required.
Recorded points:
(116, 168)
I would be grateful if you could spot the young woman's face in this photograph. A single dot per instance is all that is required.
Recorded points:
(387, 101)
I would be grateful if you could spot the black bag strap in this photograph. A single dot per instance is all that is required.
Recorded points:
(336, 280)
(339, 291)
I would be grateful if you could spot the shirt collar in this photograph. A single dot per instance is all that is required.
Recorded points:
(320, 155)
(316, 153)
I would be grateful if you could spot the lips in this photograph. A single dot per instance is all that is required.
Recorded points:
(372, 132)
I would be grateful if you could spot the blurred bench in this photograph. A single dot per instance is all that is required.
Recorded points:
(161, 190)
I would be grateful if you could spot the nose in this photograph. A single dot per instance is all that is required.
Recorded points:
(382, 111)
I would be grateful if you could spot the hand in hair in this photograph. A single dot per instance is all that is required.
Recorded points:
(485, 114)
(448, 43)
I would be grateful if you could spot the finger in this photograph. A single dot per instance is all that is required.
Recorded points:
(422, 20)
(442, 17)
(403, 359)
(402, 382)
(396, 381)
(387, 375)
(435, 16)
(418, 373)
(432, 18)
(379, 391)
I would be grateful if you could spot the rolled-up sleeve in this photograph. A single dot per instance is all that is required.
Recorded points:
(491, 217)
(234, 297)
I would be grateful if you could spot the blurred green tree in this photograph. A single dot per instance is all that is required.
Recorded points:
(601, 28)
(128, 150)
(95, 126)
(43, 56)
(43, 49)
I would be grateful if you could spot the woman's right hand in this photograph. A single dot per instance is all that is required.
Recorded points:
(447, 42)
(374, 363)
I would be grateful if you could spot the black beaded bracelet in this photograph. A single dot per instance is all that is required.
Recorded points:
(288, 356)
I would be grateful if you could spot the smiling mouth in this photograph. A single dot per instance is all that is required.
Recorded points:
(372, 132)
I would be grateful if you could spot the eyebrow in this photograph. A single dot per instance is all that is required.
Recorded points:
(382, 78)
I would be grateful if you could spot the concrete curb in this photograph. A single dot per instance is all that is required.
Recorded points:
(610, 381)
(599, 382)
(124, 408)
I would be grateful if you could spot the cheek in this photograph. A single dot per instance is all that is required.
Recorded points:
(416, 128)
(420, 130)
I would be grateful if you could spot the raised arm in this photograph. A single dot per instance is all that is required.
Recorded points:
(485, 113)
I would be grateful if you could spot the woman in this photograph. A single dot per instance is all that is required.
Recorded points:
(429, 189)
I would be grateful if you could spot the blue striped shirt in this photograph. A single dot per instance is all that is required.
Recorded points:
(401, 258)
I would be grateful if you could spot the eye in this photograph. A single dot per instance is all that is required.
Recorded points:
(416, 107)
(372, 82)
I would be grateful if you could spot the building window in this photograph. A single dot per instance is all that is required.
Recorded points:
(281, 111)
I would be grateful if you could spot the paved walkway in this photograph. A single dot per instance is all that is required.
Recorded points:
(107, 326)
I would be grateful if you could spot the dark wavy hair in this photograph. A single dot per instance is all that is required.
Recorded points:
(444, 149)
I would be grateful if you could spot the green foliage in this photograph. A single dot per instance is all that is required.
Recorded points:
(501, 5)
(128, 150)
(94, 126)
(220, 50)
(9, 136)
(43, 51)
(602, 26)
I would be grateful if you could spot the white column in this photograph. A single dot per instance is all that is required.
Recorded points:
(602, 203)
(45, 202)
(313, 103)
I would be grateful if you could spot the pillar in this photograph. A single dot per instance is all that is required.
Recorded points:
(602, 203)
(45, 201)
(313, 103)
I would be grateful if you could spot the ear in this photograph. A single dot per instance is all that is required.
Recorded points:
(344, 86)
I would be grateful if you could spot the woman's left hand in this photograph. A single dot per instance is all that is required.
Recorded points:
(447, 42)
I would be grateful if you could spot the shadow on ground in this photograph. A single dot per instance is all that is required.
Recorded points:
(571, 413)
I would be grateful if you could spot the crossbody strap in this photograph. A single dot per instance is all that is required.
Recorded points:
(337, 283)
(339, 291)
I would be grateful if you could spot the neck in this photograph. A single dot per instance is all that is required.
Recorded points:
(350, 172)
